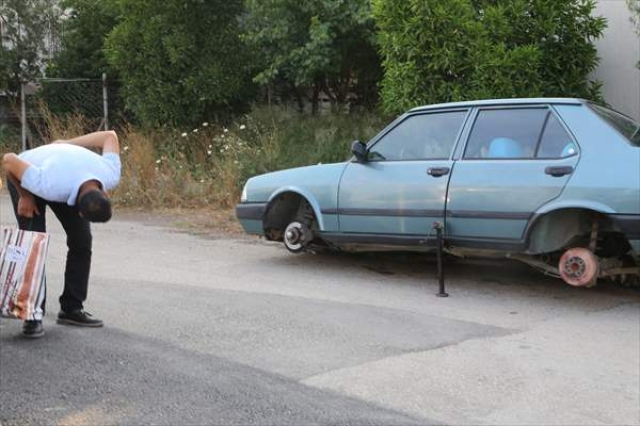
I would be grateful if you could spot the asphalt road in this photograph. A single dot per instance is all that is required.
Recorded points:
(211, 329)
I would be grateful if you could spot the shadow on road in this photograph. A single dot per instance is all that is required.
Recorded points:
(476, 271)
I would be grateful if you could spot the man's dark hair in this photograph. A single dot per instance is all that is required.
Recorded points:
(95, 206)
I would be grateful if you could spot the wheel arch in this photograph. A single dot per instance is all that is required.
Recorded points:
(282, 206)
(556, 225)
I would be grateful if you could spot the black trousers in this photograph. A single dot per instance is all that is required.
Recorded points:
(79, 239)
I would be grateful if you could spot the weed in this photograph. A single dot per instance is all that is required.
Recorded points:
(208, 165)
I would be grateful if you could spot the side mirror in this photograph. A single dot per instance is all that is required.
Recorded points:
(359, 149)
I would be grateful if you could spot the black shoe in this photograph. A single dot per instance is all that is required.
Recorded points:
(33, 329)
(79, 318)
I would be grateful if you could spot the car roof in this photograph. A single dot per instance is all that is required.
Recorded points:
(498, 102)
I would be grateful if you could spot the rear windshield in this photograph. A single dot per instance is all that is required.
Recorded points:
(626, 126)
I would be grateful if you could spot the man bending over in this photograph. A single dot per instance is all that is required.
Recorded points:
(72, 180)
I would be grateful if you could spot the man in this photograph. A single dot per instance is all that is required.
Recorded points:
(72, 180)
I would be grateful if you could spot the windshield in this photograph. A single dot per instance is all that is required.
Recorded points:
(629, 128)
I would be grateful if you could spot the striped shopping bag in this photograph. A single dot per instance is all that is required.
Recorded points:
(22, 280)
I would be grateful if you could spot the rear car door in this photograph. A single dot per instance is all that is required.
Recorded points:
(401, 190)
(515, 160)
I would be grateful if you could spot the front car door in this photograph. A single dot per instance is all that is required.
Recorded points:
(515, 160)
(401, 190)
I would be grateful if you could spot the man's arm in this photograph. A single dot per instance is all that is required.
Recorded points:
(107, 141)
(15, 167)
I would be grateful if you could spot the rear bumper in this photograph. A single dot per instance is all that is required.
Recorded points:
(629, 225)
(250, 217)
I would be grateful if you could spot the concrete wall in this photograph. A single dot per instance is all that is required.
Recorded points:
(619, 51)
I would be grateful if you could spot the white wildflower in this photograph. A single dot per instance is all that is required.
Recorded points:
(225, 130)
(242, 127)
(205, 124)
(184, 135)
(126, 148)
(195, 130)
(158, 161)
(208, 152)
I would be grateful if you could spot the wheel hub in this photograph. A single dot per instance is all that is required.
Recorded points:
(574, 267)
(296, 237)
(579, 267)
(293, 235)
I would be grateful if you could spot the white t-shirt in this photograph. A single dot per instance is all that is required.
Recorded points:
(58, 170)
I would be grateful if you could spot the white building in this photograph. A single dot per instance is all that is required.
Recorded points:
(619, 51)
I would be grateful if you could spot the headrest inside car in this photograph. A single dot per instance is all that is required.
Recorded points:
(505, 148)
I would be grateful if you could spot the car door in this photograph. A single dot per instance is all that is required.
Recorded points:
(401, 189)
(515, 160)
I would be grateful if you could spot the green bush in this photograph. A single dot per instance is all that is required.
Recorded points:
(9, 139)
(300, 139)
(304, 47)
(180, 61)
(634, 8)
(209, 164)
(451, 50)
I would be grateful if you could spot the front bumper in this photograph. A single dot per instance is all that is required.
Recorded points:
(250, 216)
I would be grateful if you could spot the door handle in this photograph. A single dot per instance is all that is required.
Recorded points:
(559, 171)
(438, 171)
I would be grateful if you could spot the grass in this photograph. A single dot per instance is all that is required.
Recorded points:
(9, 138)
(208, 165)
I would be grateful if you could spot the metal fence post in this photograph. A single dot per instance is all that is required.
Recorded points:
(105, 102)
(23, 117)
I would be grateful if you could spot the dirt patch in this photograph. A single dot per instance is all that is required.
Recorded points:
(202, 220)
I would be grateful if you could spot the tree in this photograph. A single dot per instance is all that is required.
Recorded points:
(634, 7)
(180, 61)
(85, 30)
(29, 28)
(81, 56)
(313, 46)
(448, 50)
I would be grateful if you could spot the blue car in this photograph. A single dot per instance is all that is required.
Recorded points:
(552, 182)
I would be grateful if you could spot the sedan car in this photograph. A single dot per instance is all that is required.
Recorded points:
(552, 182)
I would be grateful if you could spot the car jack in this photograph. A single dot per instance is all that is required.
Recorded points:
(438, 227)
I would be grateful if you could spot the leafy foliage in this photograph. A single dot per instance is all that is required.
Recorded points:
(449, 50)
(634, 7)
(315, 45)
(86, 25)
(180, 61)
(85, 28)
(208, 165)
(27, 26)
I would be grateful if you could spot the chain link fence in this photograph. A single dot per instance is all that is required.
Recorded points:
(48, 106)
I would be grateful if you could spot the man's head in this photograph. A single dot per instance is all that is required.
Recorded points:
(94, 205)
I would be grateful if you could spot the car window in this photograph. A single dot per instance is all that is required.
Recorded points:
(420, 137)
(556, 142)
(623, 124)
(506, 133)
